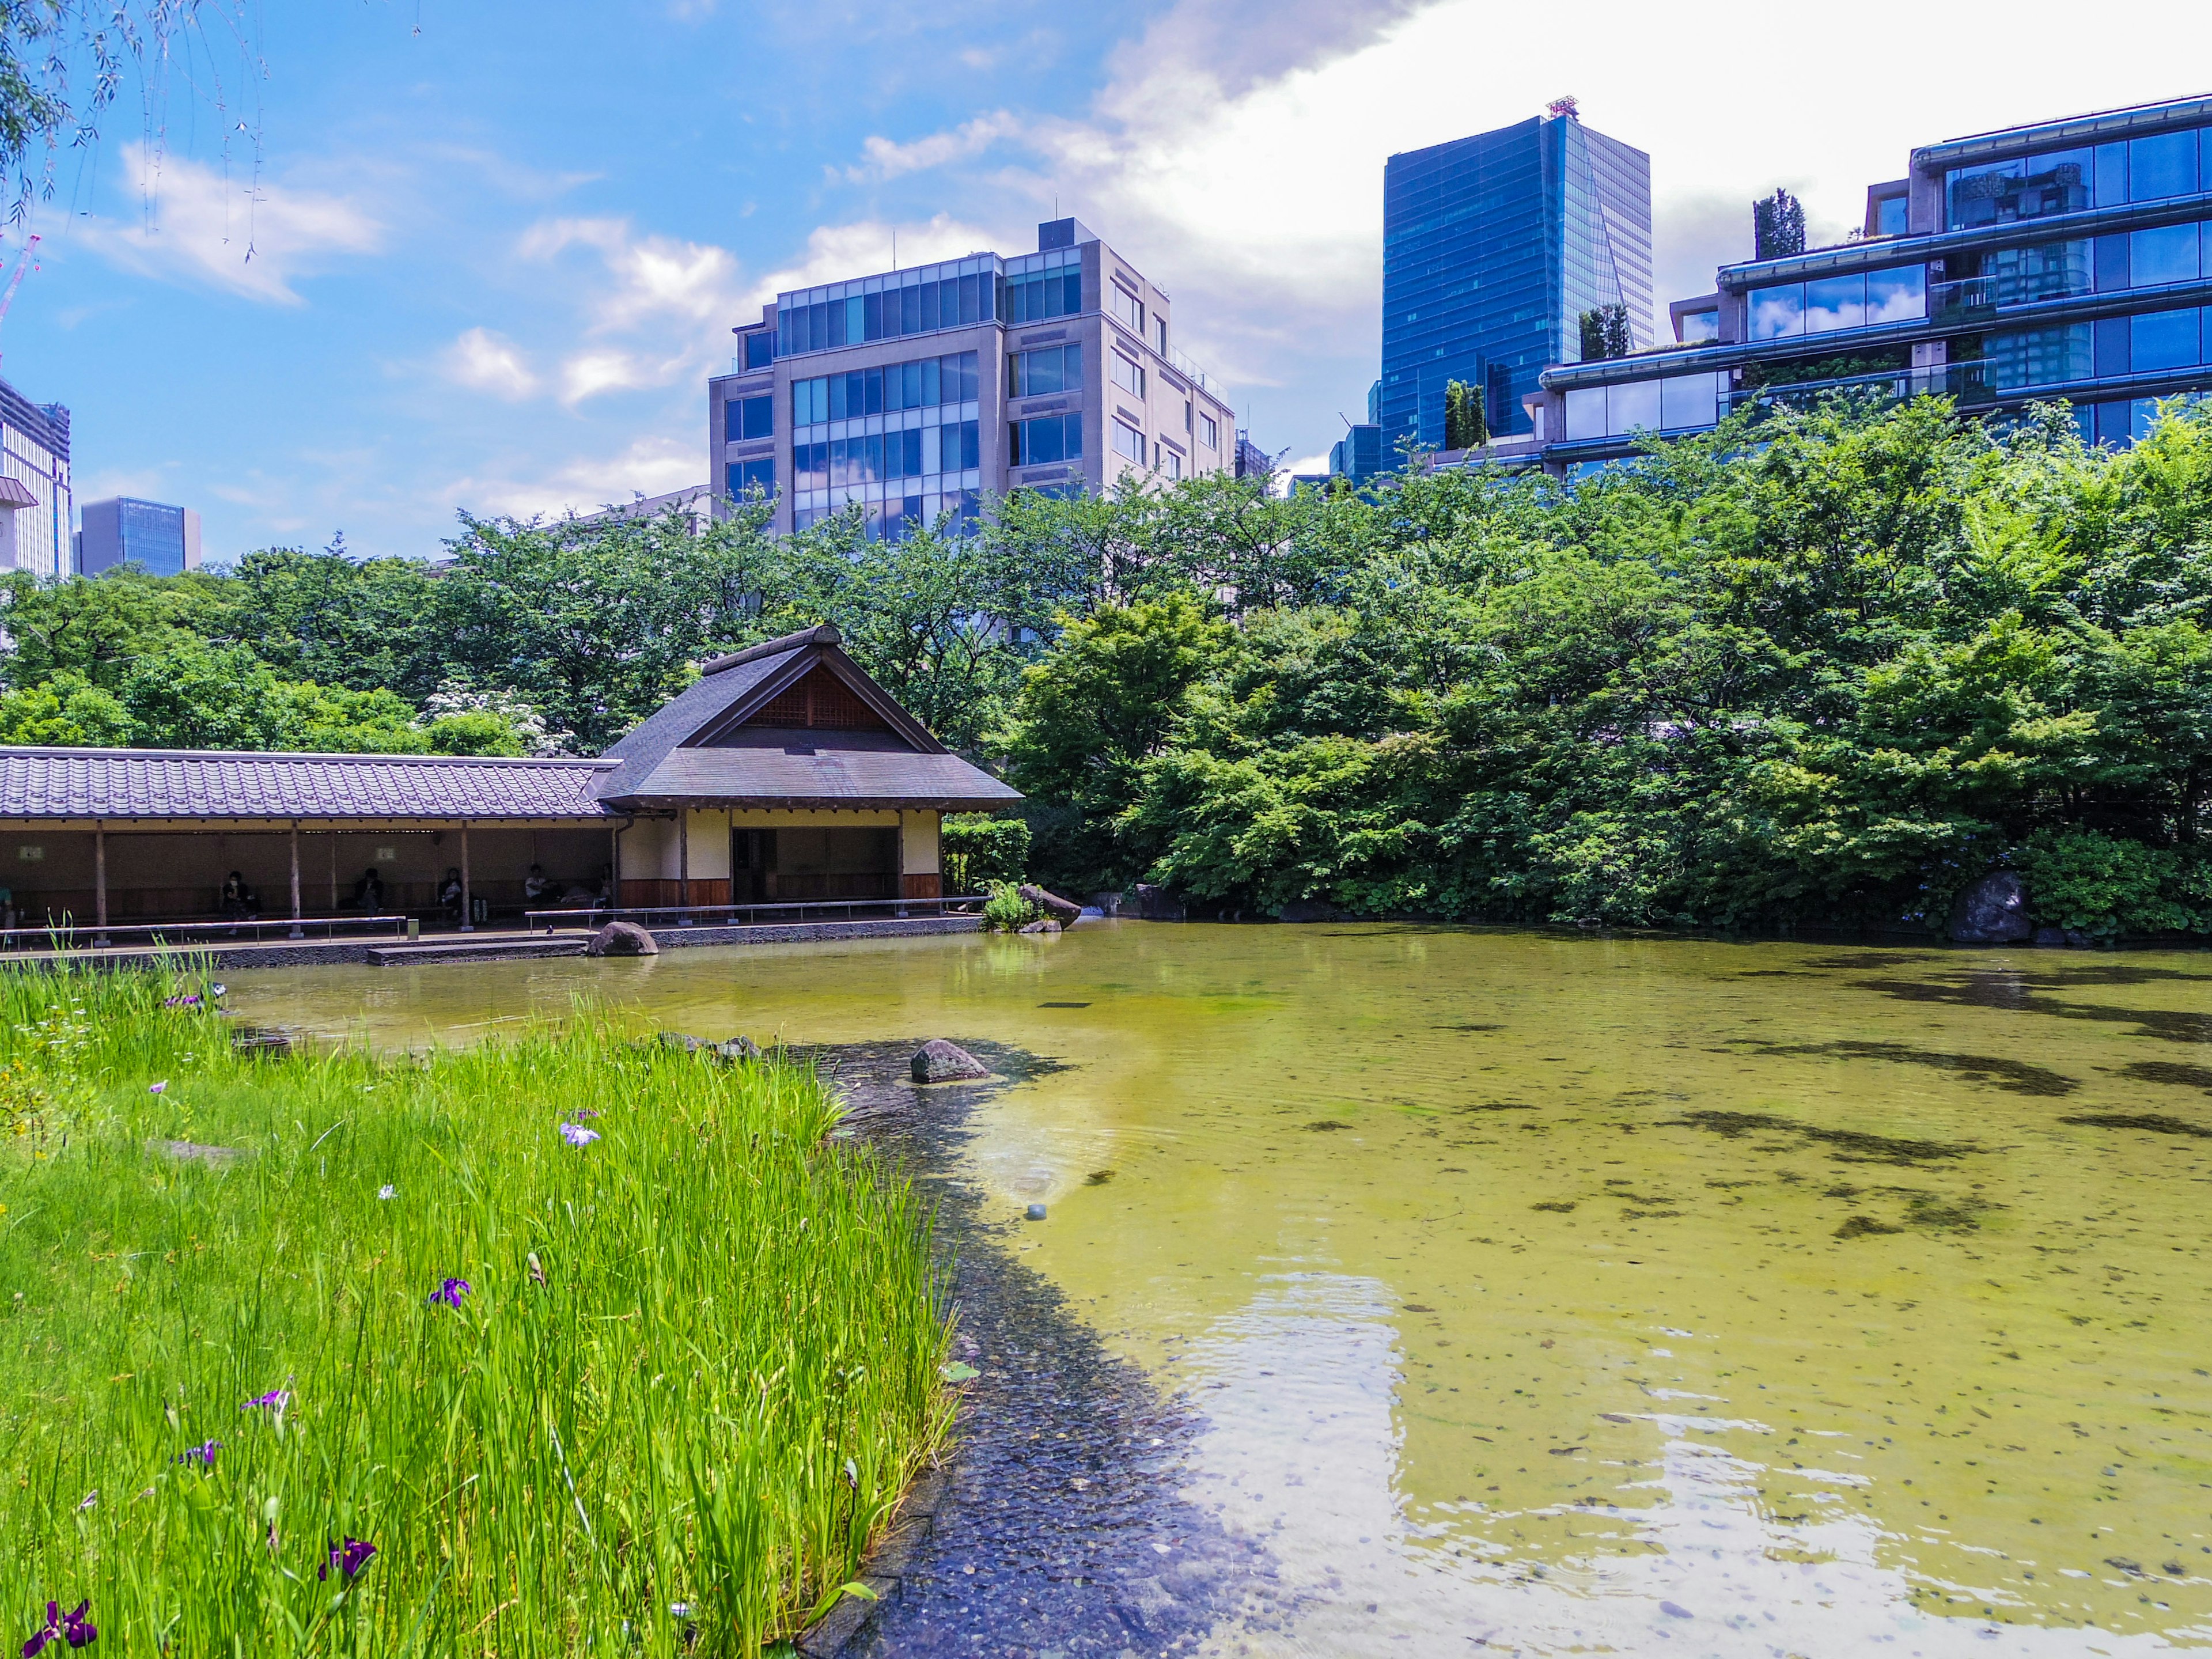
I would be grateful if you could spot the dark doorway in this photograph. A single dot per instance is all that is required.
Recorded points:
(787, 864)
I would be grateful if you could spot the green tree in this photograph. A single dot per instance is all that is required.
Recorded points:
(1464, 425)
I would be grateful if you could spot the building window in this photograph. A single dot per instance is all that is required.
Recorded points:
(2024, 187)
(2013, 275)
(1892, 216)
(1054, 368)
(1160, 334)
(2161, 166)
(749, 417)
(2170, 254)
(1129, 376)
(1681, 403)
(2039, 356)
(2165, 339)
(1699, 327)
(1047, 439)
(1130, 442)
(760, 349)
(1861, 300)
(1209, 433)
(1127, 307)
(1031, 300)
(745, 476)
(1170, 463)
(922, 383)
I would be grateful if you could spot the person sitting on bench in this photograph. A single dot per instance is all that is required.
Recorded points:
(449, 892)
(369, 891)
(240, 902)
(538, 887)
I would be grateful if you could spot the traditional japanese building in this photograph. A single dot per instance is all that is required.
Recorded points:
(783, 774)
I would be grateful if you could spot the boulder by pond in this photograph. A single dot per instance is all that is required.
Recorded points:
(1993, 911)
(2072, 938)
(1307, 910)
(939, 1062)
(1107, 904)
(261, 1040)
(622, 939)
(1061, 910)
(1044, 925)
(1158, 904)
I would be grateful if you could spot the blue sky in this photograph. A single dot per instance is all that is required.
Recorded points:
(496, 248)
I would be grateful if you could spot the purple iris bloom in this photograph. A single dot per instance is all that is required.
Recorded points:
(577, 1135)
(156, 1088)
(74, 1627)
(348, 1557)
(203, 1454)
(450, 1291)
(275, 1400)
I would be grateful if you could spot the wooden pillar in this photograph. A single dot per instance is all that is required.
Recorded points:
(99, 880)
(468, 899)
(334, 872)
(683, 862)
(614, 870)
(296, 879)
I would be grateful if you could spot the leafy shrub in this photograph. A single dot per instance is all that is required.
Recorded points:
(977, 850)
(1005, 910)
(2104, 887)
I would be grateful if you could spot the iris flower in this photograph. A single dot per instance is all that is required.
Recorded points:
(450, 1291)
(577, 1135)
(203, 1454)
(74, 1627)
(156, 1088)
(387, 1191)
(348, 1557)
(275, 1400)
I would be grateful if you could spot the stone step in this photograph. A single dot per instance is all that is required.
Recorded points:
(485, 949)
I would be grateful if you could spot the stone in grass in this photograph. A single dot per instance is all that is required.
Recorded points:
(622, 939)
(260, 1040)
(738, 1048)
(939, 1062)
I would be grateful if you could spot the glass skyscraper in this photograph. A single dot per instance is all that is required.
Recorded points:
(1493, 247)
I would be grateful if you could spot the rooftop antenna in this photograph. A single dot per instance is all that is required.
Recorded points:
(894, 250)
(1566, 105)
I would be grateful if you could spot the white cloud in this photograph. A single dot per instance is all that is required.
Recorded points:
(651, 465)
(255, 241)
(887, 159)
(673, 300)
(485, 362)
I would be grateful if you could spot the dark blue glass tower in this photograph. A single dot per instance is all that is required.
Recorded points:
(1492, 248)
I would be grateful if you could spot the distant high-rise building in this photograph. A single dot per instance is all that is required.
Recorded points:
(1494, 247)
(915, 393)
(34, 485)
(122, 530)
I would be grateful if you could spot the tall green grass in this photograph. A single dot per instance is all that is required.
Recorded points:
(696, 1366)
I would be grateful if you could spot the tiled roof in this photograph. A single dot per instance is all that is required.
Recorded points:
(689, 751)
(154, 783)
(775, 777)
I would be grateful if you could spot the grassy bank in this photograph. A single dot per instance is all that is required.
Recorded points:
(560, 1385)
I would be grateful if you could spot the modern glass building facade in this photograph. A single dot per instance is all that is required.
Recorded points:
(165, 541)
(916, 393)
(1493, 247)
(2067, 260)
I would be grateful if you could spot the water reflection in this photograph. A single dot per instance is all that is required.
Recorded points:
(1573, 1293)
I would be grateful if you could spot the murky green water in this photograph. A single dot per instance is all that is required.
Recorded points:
(1572, 1294)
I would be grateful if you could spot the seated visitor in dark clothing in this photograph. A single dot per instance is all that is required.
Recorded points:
(369, 891)
(239, 900)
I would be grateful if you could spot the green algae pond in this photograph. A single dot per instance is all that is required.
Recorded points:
(1560, 1293)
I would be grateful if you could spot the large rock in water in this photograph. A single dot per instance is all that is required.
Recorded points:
(1993, 911)
(939, 1062)
(1061, 910)
(622, 939)
(1158, 904)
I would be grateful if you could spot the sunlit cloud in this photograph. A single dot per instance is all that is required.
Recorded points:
(485, 362)
(253, 240)
(646, 467)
